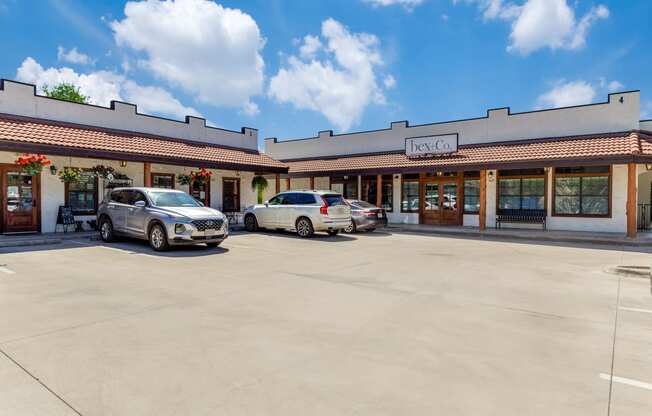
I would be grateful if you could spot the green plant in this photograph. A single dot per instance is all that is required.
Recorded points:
(65, 91)
(184, 179)
(70, 175)
(32, 163)
(104, 172)
(259, 184)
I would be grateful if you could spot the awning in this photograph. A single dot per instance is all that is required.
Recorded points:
(23, 134)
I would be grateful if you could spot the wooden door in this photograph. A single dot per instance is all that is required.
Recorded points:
(231, 195)
(201, 192)
(20, 200)
(439, 201)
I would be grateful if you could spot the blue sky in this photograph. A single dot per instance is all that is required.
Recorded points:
(291, 68)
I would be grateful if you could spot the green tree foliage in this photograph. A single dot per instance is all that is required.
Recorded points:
(65, 91)
(259, 184)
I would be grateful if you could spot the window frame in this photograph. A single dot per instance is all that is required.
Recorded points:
(169, 175)
(353, 179)
(543, 176)
(418, 182)
(467, 176)
(373, 180)
(609, 175)
(96, 196)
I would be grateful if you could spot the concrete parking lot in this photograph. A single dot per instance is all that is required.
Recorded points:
(373, 324)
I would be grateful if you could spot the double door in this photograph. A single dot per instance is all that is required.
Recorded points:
(20, 200)
(440, 201)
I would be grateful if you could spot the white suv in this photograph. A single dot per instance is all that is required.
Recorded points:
(302, 211)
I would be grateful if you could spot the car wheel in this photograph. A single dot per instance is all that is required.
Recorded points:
(351, 228)
(106, 230)
(333, 233)
(213, 245)
(304, 228)
(157, 238)
(250, 223)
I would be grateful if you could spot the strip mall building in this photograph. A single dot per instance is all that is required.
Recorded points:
(584, 168)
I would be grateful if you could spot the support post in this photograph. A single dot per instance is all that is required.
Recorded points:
(147, 174)
(379, 190)
(483, 200)
(312, 182)
(278, 182)
(288, 184)
(631, 200)
(359, 186)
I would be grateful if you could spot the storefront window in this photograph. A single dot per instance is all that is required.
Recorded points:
(163, 180)
(410, 193)
(81, 196)
(471, 196)
(521, 190)
(345, 185)
(369, 185)
(582, 191)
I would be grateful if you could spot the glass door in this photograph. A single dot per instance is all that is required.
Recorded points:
(449, 206)
(201, 192)
(20, 209)
(440, 202)
(431, 203)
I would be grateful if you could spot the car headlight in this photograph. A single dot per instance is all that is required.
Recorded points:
(180, 228)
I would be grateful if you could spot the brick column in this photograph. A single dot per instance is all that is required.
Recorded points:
(147, 174)
(379, 190)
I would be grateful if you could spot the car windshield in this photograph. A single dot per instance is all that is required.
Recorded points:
(362, 204)
(333, 200)
(173, 199)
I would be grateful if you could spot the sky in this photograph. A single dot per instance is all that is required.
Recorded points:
(292, 68)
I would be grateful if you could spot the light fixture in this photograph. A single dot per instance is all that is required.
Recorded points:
(123, 163)
(53, 169)
(648, 166)
(490, 174)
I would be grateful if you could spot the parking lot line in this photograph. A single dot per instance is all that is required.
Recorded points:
(624, 308)
(627, 381)
(6, 270)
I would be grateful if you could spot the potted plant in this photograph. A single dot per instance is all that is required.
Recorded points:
(70, 175)
(105, 172)
(184, 179)
(259, 184)
(32, 163)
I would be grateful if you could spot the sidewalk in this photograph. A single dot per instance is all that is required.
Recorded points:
(585, 237)
(36, 239)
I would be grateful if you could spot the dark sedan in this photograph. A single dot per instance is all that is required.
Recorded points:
(365, 216)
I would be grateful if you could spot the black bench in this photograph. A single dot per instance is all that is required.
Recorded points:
(521, 216)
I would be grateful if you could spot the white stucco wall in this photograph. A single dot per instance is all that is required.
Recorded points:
(52, 189)
(19, 99)
(498, 125)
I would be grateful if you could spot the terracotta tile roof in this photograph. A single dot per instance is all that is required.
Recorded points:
(63, 138)
(599, 147)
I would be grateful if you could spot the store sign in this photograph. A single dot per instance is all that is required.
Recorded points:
(430, 145)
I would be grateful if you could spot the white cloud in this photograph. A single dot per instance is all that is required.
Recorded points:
(537, 24)
(73, 56)
(614, 86)
(341, 85)
(564, 94)
(103, 86)
(210, 51)
(251, 109)
(407, 4)
(311, 45)
(389, 82)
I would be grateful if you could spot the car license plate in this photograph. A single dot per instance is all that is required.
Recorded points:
(380, 215)
(209, 232)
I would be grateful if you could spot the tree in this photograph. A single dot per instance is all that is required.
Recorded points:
(259, 184)
(65, 91)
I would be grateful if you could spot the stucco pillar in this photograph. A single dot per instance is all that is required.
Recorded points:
(631, 200)
(483, 200)
(147, 174)
(359, 196)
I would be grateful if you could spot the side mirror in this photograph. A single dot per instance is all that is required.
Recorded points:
(140, 204)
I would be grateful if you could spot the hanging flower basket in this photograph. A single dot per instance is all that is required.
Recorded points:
(70, 175)
(32, 163)
(198, 177)
(201, 176)
(104, 172)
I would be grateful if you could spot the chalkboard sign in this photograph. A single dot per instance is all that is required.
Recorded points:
(65, 217)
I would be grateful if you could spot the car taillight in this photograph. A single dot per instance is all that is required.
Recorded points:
(369, 213)
(323, 210)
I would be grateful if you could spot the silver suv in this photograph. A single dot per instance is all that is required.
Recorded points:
(302, 211)
(164, 217)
